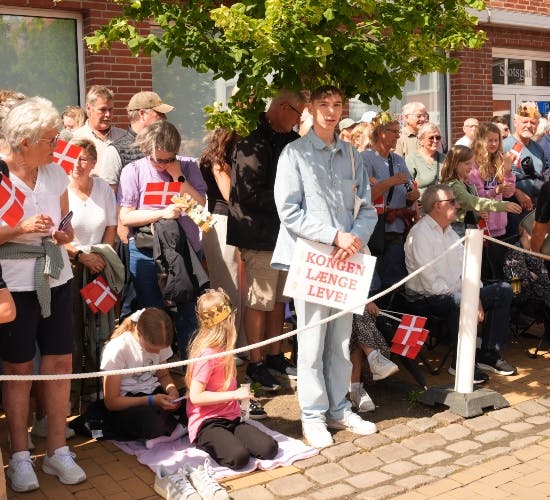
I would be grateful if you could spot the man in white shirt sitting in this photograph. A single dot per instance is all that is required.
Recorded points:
(436, 291)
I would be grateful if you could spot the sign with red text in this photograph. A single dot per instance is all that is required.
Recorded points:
(316, 276)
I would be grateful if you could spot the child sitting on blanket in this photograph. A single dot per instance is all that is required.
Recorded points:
(140, 405)
(213, 409)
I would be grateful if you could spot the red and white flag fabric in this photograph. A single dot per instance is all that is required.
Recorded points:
(11, 202)
(160, 193)
(98, 295)
(379, 204)
(65, 154)
(409, 336)
(482, 224)
(516, 153)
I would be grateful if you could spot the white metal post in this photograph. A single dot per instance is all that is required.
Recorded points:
(467, 329)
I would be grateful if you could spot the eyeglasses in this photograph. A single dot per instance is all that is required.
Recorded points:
(434, 138)
(294, 109)
(450, 200)
(162, 161)
(52, 142)
(420, 115)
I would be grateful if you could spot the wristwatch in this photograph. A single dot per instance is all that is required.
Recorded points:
(77, 255)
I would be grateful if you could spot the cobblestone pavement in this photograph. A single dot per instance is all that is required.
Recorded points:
(418, 453)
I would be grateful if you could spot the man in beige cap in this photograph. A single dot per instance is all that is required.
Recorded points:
(144, 108)
(98, 128)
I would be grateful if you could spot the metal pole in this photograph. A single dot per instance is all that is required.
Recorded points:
(469, 303)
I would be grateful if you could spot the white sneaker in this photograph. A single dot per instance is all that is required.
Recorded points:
(40, 428)
(62, 465)
(353, 423)
(203, 480)
(361, 400)
(380, 366)
(316, 434)
(21, 472)
(175, 486)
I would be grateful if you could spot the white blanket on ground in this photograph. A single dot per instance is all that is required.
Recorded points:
(175, 454)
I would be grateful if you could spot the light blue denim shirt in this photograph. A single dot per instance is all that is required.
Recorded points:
(314, 194)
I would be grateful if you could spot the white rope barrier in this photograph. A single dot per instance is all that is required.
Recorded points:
(518, 249)
(175, 364)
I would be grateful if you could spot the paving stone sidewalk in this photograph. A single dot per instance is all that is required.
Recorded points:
(503, 453)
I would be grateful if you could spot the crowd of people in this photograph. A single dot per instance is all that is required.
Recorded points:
(393, 186)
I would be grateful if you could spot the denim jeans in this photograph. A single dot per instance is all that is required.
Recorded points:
(144, 272)
(324, 367)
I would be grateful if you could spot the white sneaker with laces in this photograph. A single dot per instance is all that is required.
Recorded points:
(62, 465)
(207, 487)
(380, 366)
(40, 428)
(360, 399)
(316, 434)
(21, 472)
(175, 486)
(353, 423)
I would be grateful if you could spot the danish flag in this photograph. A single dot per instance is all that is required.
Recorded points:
(98, 295)
(65, 155)
(482, 224)
(11, 202)
(409, 336)
(516, 153)
(160, 193)
(379, 204)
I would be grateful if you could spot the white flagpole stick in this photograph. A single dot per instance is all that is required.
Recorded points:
(467, 329)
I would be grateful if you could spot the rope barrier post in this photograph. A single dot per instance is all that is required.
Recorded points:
(469, 301)
(463, 400)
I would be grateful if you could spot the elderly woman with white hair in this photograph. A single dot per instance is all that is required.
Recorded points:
(38, 273)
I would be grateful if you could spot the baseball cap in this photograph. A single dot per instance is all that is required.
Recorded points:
(346, 123)
(367, 116)
(148, 100)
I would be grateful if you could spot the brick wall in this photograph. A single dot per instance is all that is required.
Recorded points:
(471, 88)
(531, 6)
(117, 69)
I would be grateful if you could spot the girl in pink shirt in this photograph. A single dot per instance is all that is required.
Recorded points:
(213, 408)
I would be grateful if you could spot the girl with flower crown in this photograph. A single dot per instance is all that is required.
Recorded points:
(213, 408)
(138, 405)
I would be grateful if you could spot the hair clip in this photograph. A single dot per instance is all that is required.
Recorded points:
(216, 314)
(136, 315)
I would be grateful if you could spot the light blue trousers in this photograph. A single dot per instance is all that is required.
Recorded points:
(324, 366)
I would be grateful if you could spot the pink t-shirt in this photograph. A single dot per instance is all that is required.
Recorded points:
(212, 374)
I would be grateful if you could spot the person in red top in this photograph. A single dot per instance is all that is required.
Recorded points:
(213, 408)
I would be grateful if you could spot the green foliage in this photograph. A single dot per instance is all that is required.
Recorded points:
(369, 48)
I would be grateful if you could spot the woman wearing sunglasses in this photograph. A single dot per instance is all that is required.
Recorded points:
(142, 204)
(425, 163)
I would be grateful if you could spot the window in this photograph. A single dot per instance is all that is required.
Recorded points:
(516, 71)
(40, 54)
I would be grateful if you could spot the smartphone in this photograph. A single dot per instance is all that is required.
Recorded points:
(177, 400)
(65, 221)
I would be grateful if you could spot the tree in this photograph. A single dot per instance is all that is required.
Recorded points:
(369, 48)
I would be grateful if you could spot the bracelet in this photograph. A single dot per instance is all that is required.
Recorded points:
(150, 400)
(170, 385)
(181, 178)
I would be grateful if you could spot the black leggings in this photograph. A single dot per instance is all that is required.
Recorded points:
(231, 442)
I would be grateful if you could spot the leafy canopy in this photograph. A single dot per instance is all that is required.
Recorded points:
(369, 48)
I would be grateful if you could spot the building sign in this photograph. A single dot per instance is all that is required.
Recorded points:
(521, 72)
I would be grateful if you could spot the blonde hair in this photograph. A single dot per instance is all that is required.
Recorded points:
(220, 336)
(154, 326)
(456, 155)
(489, 165)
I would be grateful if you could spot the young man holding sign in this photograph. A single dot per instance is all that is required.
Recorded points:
(318, 178)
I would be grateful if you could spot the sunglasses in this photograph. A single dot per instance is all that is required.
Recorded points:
(162, 161)
(434, 138)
